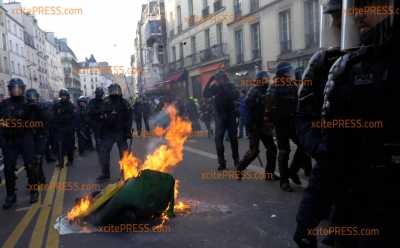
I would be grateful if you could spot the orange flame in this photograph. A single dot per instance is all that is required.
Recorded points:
(162, 159)
(129, 165)
(80, 207)
(165, 157)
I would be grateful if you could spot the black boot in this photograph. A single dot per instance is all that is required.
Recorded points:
(10, 201)
(221, 167)
(295, 178)
(285, 186)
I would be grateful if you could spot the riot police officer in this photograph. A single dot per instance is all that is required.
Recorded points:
(317, 201)
(115, 127)
(225, 96)
(40, 133)
(64, 118)
(259, 125)
(363, 85)
(18, 139)
(281, 103)
(83, 126)
(94, 111)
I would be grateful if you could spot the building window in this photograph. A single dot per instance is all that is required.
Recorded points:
(239, 46)
(174, 53)
(219, 33)
(6, 64)
(206, 10)
(179, 16)
(254, 5)
(190, 6)
(1, 67)
(193, 43)
(4, 41)
(207, 43)
(11, 46)
(237, 8)
(284, 28)
(311, 11)
(255, 40)
(12, 67)
(181, 55)
(217, 5)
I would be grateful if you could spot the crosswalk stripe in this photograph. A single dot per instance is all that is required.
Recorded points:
(53, 237)
(39, 229)
(26, 220)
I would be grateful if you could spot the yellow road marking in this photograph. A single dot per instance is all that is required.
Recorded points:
(16, 173)
(39, 229)
(53, 237)
(24, 223)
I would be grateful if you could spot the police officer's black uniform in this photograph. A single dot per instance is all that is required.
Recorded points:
(115, 127)
(225, 95)
(64, 118)
(15, 116)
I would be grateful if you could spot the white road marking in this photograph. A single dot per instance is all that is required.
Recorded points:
(251, 167)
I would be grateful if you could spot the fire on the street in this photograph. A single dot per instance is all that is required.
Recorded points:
(163, 159)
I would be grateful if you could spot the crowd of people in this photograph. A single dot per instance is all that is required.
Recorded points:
(41, 130)
(354, 176)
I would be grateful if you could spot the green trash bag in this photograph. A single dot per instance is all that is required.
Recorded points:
(150, 194)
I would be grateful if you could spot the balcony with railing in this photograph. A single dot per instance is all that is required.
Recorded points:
(217, 5)
(218, 51)
(205, 12)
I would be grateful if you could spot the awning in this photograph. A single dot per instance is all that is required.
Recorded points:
(179, 76)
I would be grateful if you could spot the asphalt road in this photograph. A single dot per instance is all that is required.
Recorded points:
(225, 213)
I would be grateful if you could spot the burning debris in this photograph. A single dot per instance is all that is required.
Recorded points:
(146, 189)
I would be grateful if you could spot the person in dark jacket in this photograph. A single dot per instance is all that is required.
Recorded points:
(17, 139)
(40, 133)
(281, 102)
(260, 126)
(64, 118)
(225, 95)
(83, 126)
(115, 127)
(94, 111)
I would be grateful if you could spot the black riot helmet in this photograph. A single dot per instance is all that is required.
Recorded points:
(64, 95)
(32, 96)
(114, 90)
(16, 87)
(82, 99)
(99, 93)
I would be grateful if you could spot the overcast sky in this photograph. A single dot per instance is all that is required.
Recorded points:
(106, 28)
